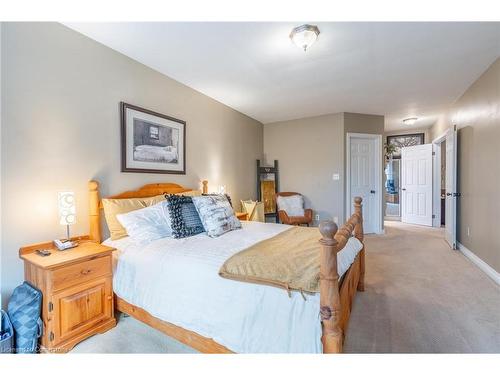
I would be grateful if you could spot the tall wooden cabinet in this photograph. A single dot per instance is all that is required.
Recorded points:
(77, 291)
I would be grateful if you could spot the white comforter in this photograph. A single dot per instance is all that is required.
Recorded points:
(177, 280)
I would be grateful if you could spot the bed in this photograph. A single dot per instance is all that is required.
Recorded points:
(173, 286)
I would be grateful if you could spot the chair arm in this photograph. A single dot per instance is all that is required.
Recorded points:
(283, 216)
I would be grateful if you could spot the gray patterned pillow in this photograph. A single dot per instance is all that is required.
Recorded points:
(184, 218)
(216, 214)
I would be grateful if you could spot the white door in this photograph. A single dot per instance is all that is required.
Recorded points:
(416, 184)
(451, 188)
(363, 180)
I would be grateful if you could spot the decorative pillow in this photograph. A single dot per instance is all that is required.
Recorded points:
(113, 207)
(184, 218)
(292, 205)
(216, 214)
(147, 224)
(226, 195)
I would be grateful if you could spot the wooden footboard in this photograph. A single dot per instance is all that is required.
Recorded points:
(335, 300)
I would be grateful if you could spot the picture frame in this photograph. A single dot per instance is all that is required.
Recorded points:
(404, 140)
(151, 142)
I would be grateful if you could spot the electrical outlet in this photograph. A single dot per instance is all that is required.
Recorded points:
(336, 177)
(316, 217)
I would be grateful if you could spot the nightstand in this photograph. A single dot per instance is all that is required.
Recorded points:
(77, 291)
(241, 216)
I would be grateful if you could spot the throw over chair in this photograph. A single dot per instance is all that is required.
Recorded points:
(291, 209)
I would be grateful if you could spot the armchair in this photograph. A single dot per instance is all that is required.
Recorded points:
(291, 211)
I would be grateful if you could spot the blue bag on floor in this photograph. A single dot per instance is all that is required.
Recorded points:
(24, 312)
(6, 334)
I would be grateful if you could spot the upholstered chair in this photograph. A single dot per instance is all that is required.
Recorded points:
(291, 209)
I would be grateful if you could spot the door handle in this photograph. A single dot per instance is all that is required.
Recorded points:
(372, 191)
(449, 194)
(403, 189)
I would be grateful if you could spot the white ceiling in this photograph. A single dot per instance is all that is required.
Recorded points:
(398, 70)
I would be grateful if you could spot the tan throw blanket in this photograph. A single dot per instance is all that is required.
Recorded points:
(289, 260)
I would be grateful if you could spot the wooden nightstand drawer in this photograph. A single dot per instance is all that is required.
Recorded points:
(80, 272)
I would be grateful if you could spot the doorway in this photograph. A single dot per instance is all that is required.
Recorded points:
(392, 189)
(364, 178)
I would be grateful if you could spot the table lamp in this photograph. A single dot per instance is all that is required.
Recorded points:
(67, 214)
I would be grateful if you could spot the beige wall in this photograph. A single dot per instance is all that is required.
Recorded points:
(362, 123)
(477, 116)
(311, 150)
(440, 126)
(60, 128)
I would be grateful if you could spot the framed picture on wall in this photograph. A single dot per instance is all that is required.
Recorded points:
(151, 142)
(404, 140)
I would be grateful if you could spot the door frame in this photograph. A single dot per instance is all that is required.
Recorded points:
(378, 175)
(436, 183)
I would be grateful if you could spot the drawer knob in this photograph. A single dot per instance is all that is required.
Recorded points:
(85, 272)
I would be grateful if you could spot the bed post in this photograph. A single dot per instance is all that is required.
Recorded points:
(358, 233)
(205, 186)
(94, 220)
(329, 289)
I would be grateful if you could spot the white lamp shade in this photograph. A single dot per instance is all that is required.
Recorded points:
(67, 209)
(410, 121)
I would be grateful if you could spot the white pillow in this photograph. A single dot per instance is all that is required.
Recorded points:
(147, 224)
(292, 205)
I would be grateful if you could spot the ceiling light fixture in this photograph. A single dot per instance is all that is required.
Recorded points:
(410, 121)
(304, 36)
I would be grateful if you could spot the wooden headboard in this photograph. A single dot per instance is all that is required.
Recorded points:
(149, 190)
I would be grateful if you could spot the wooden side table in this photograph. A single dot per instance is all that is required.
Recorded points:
(77, 291)
(241, 216)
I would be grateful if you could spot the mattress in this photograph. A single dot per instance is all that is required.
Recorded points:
(176, 280)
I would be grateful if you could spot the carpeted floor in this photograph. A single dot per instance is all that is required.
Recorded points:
(421, 297)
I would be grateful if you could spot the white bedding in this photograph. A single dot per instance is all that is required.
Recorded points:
(177, 280)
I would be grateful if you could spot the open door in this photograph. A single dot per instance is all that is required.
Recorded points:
(451, 188)
(416, 184)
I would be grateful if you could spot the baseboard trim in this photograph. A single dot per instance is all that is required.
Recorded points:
(481, 264)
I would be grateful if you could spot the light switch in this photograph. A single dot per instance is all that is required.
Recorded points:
(336, 177)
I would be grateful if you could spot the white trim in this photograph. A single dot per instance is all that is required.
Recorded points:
(481, 264)
(440, 138)
(436, 183)
(378, 176)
